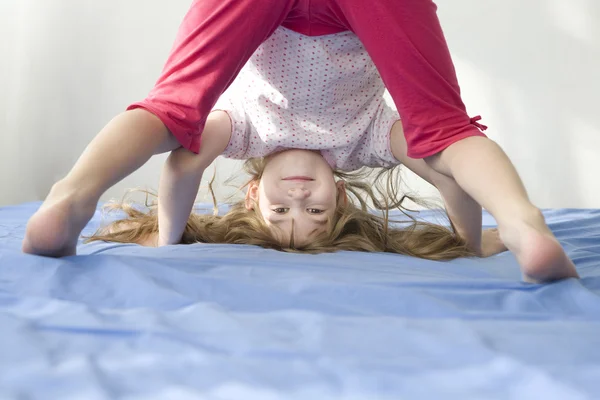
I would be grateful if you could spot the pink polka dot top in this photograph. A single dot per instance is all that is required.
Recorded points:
(319, 93)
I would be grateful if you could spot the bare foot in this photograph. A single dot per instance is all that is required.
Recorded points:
(540, 255)
(54, 229)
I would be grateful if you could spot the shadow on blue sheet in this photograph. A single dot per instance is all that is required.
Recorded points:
(240, 322)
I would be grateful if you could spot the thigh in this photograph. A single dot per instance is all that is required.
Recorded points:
(215, 40)
(405, 40)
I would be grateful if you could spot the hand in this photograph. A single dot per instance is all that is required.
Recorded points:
(491, 243)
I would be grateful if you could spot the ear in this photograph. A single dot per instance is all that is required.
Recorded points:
(251, 195)
(342, 195)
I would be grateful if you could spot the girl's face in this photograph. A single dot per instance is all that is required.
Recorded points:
(297, 186)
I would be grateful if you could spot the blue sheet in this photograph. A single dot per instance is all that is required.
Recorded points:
(241, 322)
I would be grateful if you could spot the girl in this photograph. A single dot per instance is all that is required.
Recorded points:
(405, 42)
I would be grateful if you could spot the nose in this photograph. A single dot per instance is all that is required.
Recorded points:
(298, 193)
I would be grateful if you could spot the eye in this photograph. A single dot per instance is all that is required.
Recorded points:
(280, 210)
(315, 211)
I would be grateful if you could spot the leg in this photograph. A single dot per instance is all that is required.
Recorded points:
(215, 40)
(494, 183)
(484, 171)
(112, 155)
(406, 42)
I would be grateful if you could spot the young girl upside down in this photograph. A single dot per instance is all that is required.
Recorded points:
(315, 81)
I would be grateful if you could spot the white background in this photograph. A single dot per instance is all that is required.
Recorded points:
(531, 68)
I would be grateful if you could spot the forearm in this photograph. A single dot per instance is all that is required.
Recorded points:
(179, 184)
(464, 212)
(181, 178)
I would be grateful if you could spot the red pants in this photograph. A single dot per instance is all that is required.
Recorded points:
(403, 38)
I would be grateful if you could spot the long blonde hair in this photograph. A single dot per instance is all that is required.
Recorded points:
(355, 227)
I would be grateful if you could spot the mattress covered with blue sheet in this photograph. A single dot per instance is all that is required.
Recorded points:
(240, 322)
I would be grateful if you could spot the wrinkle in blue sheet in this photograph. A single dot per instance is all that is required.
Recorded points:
(219, 321)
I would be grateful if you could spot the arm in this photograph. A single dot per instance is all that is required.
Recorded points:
(463, 211)
(465, 215)
(181, 178)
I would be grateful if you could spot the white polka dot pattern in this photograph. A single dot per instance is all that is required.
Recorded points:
(320, 93)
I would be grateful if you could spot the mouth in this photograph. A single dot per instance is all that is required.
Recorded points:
(298, 178)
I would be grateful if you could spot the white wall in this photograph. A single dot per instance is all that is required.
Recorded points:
(530, 67)
(71, 66)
